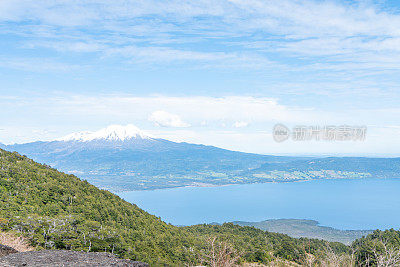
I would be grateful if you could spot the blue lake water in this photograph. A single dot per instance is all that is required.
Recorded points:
(343, 204)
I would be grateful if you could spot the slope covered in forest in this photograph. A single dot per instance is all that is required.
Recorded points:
(59, 211)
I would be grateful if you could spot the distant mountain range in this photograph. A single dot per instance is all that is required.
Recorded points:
(126, 158)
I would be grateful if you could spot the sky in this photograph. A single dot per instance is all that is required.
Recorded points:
(219, 73)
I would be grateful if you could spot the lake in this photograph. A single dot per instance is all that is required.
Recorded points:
(343, 204)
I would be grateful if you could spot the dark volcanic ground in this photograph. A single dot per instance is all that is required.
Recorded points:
(65, 258)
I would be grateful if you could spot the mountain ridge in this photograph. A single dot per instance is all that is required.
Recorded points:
(141, 163)
(126, 158)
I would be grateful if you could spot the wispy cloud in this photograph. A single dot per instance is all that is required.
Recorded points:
(198, 111)
(360, 32)
(240, 124)
(248, 120)
(37, 65)
(166, 119)
(288, 61)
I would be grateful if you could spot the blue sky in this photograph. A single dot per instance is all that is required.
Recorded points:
(213, 72)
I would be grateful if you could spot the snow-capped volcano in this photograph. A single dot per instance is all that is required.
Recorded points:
(124, 157)
(111, 133)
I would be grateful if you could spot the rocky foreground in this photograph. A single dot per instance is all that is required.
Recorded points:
(5, 250)
(65, 258)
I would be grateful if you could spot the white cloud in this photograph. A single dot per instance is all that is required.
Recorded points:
(319, 50)
(26, 119)
(194, 109)
(63, 46)
(158, 54)
(166, 111)
(165, 119)
(38, 65)
(197, 109)
(360, 32)
(240, 124)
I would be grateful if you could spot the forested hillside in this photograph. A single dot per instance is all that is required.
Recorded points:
(381, 248)
(56, 210)
(59, 211)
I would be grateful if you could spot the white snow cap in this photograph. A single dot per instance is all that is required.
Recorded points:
(111, 133)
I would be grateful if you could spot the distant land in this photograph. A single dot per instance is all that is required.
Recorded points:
(124, 158)
(307, 228)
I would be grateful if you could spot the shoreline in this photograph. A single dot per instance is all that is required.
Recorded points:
(230, 184)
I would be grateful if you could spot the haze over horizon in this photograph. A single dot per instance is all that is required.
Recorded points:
(219, 74)
(126, 132)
